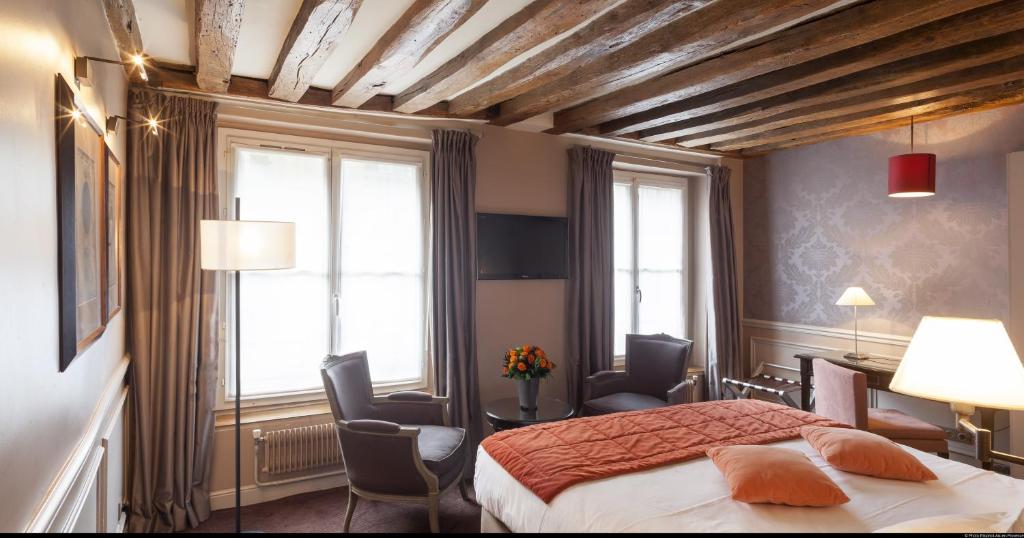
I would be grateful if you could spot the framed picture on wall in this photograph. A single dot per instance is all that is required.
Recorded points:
(80, 225)
(114, 233)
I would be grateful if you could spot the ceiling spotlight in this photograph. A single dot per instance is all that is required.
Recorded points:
(140, 62)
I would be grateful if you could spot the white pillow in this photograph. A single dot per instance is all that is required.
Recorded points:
(959, 523)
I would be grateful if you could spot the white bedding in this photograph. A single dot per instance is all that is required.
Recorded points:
(693, 497)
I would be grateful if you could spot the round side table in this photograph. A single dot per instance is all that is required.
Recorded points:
(505, 414)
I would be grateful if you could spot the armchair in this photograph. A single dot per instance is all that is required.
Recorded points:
(656, 366)
(395, 448)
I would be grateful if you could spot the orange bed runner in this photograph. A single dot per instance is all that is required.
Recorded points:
(548, 458)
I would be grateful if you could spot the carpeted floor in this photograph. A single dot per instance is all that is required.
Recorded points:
(324, 511)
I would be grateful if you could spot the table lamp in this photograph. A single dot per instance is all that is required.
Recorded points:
(855, 297)
(244, 245)
(966, 362)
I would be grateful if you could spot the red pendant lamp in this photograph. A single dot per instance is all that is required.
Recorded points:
(912, 175)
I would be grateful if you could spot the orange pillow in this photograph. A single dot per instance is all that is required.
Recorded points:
(861, 452)
(764, 474)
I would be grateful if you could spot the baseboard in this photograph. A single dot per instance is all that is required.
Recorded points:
(63, 503)
(253, 494)
(832, 332)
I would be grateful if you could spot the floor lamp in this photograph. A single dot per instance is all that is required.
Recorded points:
(244, 245)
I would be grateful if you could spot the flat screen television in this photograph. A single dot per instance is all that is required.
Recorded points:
(519, 247)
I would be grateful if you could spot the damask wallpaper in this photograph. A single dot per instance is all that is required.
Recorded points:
(817, 220)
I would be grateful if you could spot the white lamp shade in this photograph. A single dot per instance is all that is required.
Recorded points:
(855, 297)
(961, 360)
(246, 245)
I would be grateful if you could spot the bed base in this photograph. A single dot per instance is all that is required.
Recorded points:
(489, 523)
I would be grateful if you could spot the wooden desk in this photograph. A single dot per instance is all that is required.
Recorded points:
(879, 371)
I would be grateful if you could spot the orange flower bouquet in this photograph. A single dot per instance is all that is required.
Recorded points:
(526, 363)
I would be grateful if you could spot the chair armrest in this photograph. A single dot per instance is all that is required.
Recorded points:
(415, 396)
(383, 457)
(412, 408)
(603, 384)
(374, 426)
(681, 393)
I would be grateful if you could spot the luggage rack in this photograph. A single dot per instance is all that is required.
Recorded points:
(763, 387)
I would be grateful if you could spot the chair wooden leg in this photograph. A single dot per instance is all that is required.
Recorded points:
(433, 502)
(353, 499)
(465, 493)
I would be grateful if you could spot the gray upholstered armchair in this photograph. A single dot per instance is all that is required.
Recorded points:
(655, 375)
(395, 448)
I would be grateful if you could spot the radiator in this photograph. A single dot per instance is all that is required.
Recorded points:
(292, 454)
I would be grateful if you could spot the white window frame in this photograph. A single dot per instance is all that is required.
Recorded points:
(231, 138)
(636, 179)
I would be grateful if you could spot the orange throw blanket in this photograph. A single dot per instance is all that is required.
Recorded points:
(548, 458)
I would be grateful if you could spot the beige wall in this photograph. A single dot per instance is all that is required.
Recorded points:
(45, 413)
(522, 173)
(1015, 189)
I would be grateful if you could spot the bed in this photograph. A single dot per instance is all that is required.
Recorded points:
(692, 496)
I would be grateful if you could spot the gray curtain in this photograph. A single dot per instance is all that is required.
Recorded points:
(724, 357)
(172, 318)
(591, 272)
(453, 278)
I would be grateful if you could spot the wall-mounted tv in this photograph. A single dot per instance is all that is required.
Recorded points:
(519, 247)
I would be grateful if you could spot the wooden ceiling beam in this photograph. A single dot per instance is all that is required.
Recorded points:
(218, 23)
(125, 27)
(421, 28)
(891, 58)
(183, 79)
(849, 28)
(870, 117)
(888, 75)
(952, 83)
(1010, 98)
(536, 23)
(719, 27)
(317, 27)
(611, 31)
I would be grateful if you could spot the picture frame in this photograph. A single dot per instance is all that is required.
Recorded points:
(80, 225)
(113, 196)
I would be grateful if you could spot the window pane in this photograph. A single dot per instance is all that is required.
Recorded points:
(660, 259)
(623, 247)
(382, 268)
(285, 316)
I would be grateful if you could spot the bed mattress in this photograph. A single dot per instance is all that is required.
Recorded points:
(694, 497)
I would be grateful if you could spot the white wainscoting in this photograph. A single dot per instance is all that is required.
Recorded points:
(87, 493)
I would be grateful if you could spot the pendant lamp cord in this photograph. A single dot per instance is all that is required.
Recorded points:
(911, 134)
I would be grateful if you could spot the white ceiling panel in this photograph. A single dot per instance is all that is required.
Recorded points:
(265, 25)
(372, 20)
(166, 27)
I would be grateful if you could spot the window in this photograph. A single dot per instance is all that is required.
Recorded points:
(650, 250)
(285, 314)
(360, 276)
(381, 288)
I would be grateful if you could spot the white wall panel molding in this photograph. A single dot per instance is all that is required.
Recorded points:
(832, 332)
(83, 477)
